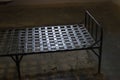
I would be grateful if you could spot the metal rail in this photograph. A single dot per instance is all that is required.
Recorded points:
(96, 31)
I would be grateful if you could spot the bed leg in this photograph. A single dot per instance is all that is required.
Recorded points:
(100, 60)
(99, 65)
(17, 60)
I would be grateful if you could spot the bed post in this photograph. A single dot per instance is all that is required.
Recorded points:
(93, 26)
(100, 50)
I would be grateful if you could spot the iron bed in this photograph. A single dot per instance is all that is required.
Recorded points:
(16, 43)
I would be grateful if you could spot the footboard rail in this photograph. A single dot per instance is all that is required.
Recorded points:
(96, 31)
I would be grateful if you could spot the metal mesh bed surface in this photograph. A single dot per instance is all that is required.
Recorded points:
(44, 39)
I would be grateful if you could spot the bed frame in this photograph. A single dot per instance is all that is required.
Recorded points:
(16, 43)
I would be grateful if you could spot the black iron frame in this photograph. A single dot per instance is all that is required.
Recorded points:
(94, 29)
(17, 59)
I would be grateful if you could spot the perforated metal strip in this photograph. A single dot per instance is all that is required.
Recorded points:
(44, 39)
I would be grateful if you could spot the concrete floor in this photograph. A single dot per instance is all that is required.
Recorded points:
(110, 20)
(106, 13)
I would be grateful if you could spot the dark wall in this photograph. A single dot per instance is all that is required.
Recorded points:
(37, 2)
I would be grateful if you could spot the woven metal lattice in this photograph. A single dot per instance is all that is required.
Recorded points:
(44, 39)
